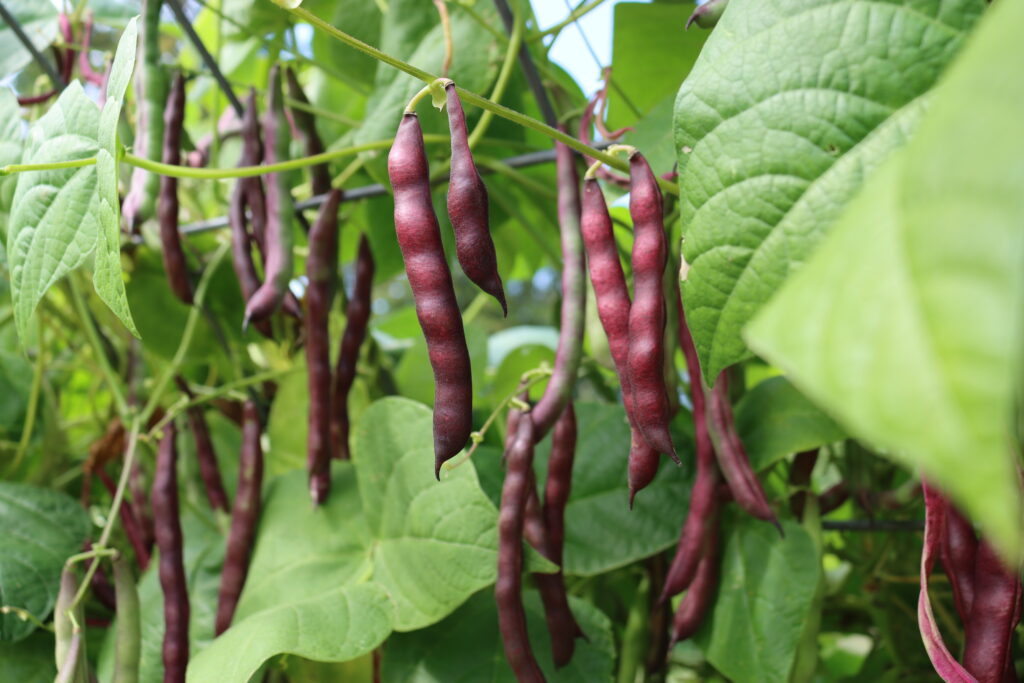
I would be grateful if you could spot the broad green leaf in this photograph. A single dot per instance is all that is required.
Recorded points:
(29, 660)
(774, 419)
(107, 267)
(39, 21)
(829, 89)
(651, 55)
(436, 543)
(601, 532)
(54, 221)
(307, 593)
(914, 344)
(764, 597)
(41, 529)
(467, 646)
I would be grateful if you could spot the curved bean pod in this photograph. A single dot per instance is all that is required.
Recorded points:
(958, 549)
(613, 304)
(704, 500)
(942, 660)
(467, 209)
(358, 315)
(508, 588)
(732, 458)
(419, 237)
(574, 294)
(279, 235)
(167, 201)
(172, 568)
(244, 516)
(321, 269)
(647, 314)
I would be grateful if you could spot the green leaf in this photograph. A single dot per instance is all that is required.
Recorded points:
(914, 344)
(29, 660)
(436, 543)
(651, 55)
(774, 419)
(41, 529)
(471, 633)
(54, 220)
(766, 168)
(39, 20)
(107, 268)
(306, 593)
(765, 595)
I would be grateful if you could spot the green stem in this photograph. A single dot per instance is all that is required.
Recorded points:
(33, 398)
(25, 615)
(54, 165)
(97, 348)
(469, 97)
(511, 54)
(577, 13)
(89, 555)
(435, 88)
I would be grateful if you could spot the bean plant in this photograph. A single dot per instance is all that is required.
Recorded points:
(368, 341)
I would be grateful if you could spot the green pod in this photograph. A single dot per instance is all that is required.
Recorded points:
(128, 645)
(69, 653)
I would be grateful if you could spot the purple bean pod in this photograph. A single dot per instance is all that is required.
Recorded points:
(244, 518)
(358, 316)
(321, 272)
(468, 208)
(419, 237)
